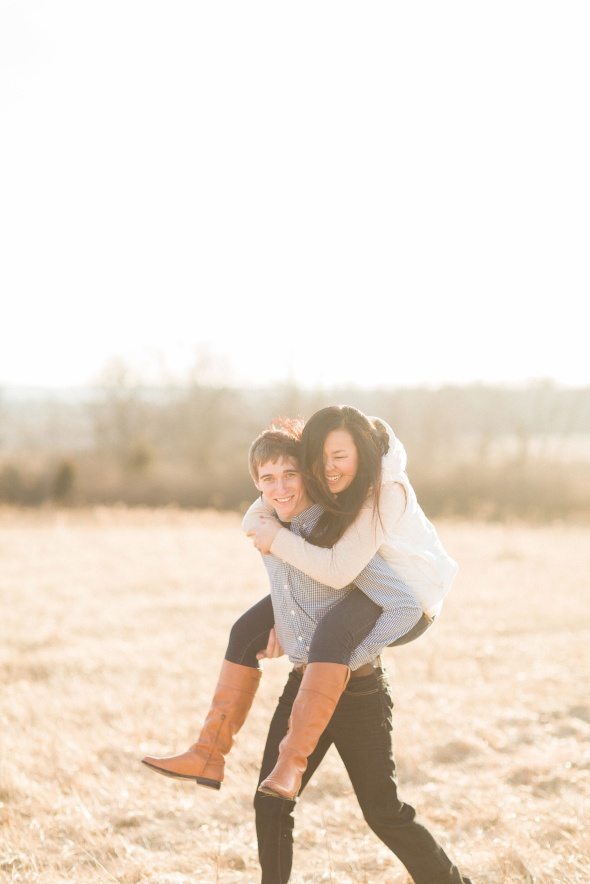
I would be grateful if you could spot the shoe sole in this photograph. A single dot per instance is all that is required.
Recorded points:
(201, 781)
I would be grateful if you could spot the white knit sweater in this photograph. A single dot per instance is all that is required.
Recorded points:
(402, 535)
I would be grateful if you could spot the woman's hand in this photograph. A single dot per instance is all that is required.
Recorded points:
(263, 536)
(273, 648)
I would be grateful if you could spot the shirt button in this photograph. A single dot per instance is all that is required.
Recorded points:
(300, 638)
(292, 613)
(286, 586)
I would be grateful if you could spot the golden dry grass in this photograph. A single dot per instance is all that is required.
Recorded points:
(114, 623)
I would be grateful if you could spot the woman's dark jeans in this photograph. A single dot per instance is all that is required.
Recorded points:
(249, 634)
(361, 730)
(337, 634)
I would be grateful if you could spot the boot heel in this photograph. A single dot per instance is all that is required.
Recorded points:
(211, 784)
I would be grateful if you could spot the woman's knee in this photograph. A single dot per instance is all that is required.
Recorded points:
(249, 633)
(332, 642)
(241, 629)
(340, 630)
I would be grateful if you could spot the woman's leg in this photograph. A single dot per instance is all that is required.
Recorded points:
(343, 628)
(232, 700)
(415, 632)
(326, 675)
(249, 634)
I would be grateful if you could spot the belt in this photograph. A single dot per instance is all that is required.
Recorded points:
(367, 669)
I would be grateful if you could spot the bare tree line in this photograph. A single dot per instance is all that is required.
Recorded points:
(491, 452)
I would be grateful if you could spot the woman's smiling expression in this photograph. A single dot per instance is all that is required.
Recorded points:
(341, 460)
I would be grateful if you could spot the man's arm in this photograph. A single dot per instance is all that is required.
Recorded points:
(401, 609)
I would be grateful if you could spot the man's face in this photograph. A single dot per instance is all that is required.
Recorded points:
(281, 484)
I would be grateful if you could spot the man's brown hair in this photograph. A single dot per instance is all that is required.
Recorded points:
(280, 441)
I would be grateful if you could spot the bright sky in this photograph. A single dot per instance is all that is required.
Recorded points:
(380, 193)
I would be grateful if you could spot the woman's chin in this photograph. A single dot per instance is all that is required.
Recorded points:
(339, 487)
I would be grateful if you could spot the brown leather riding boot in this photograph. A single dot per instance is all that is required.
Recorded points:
(321, 688)
(204, 761)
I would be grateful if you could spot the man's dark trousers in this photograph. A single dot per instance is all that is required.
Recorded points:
(361, 730)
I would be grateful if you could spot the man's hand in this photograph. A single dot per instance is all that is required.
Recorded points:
(273, 648)
(264, 535)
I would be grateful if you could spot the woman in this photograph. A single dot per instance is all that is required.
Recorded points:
(355, 468)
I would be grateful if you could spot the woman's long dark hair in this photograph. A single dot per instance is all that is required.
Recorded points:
(372, 442)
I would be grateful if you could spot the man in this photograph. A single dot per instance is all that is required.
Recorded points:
(360, 723)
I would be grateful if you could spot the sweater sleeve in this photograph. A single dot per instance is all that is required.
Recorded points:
(251, 522)
(340, 565)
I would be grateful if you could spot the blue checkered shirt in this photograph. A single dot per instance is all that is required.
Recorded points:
(299, 602)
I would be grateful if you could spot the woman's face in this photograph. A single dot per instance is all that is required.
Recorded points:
(341, 460)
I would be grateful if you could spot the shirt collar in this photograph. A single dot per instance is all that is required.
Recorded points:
(308, 517)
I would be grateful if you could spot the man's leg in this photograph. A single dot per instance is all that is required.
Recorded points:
(361, 729)
(274, 816)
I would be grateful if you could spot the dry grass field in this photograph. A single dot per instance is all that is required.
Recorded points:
(113, 626)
